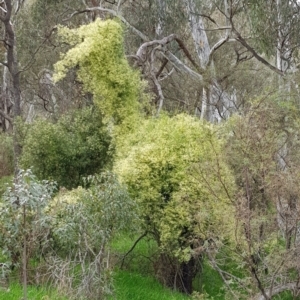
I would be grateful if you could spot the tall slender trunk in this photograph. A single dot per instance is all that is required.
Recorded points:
(215, 102)
(12, 66)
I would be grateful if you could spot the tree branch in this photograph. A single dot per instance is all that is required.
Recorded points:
(165, 62)
(155, 80)
(215, 266)
(132, 248)
(205, 16)
(240, 39)
(115, 14)
(277, 290)
(166, 40)
(7, 117)
(177, 63)
(216, 46)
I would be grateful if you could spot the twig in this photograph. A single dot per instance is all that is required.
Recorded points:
(132, 248)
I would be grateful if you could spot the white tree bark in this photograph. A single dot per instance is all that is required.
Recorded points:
(216, 104)
(161, 4)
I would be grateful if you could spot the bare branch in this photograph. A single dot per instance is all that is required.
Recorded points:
(277, 290)
(216, 46)
(7, 117)
(240, 39)
(142, 51)
(115, 14)
(186, 52)
(155, 80)
(4, 64)
(165, 62)
(221, 273)
(118, 6)
(179, 65)
(205, 16)
(218, 28)
(3, 9)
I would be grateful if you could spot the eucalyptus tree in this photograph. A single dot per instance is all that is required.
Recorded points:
(28, 47)
(11, 96)
(181, 47)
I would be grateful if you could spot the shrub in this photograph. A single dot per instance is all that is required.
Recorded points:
(76, 146)
(85, 221)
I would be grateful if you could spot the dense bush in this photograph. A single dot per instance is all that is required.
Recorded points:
(83, 225)
(77, 145)
(174, 169)
(24, 227)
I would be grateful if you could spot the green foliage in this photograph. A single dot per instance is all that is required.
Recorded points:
(174, 169)
(4, 182)
(103, 210)
(136, 287)
(6, 155)
(78, 145)
(263, 153)
(84, 223)
(97, 49)
(271, 20)
(34, 293)
(137, 260)
(22, 217)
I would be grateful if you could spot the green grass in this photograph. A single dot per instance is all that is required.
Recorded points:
(139, 268)
(133, 286)
(209, 282)
(15, 292)
(138, 260)
(136, 281)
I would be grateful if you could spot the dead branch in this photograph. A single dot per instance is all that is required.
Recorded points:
(132, 248)
(177, 63)
(240, 39)
(7, 117)
(155, 80)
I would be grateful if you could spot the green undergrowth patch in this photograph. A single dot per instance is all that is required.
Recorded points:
(137, 272)
(134, 286)
(138, 258)
(15, 292)
(4, 183)
(286, 295)
(209, 282)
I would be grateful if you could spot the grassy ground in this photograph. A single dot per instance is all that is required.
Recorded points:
(133, 286)
(135, 281)
(129, 286)
(15, 292)
(139, 264)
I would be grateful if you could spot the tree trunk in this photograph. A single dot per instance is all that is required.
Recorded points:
(12, 65)
(216, 104)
